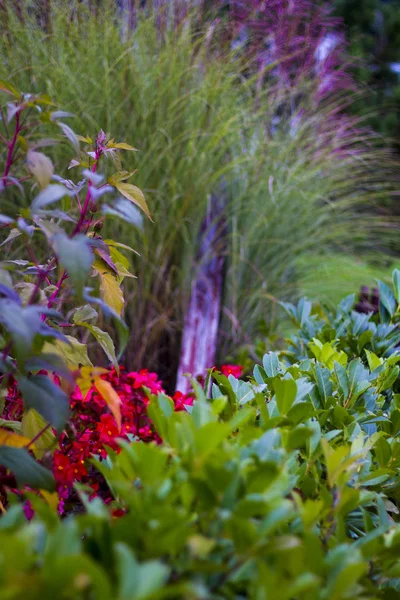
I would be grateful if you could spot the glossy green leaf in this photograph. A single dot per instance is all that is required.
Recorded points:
(76, 256)
(40, 393)
(26, 470)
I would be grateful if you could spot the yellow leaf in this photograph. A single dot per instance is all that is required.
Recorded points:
(32, 423)
(85, 140)
(40, 166)
(121, 146)
(120, 176)
(73, 353)
(87, 377)
(135, 195)
(110, 291)
(9, 438)
(51, 499)
(119, 245)
(111, 397)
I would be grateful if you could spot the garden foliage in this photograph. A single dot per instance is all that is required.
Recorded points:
(285, 486)
(213, 115)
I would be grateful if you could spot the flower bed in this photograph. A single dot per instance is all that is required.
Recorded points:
(92, 429)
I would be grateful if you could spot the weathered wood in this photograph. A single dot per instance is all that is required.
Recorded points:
(199, 338)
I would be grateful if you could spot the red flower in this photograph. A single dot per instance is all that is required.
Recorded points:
(79, 470)
(181, 400)
(107, 428)
(146, 379)
(63, 473)
(235, 370)
(91, 428)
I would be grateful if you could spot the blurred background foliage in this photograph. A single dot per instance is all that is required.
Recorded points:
(373, 33)
(234, 99)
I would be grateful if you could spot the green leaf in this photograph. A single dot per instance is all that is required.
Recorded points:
(390, 379)
(26, 470)
(14, 233)
(271, 364)
(14, 425)
(386, 298)
(73, 353)
(84, 313)
(68, 576)
(39, 392)
(104, 340)
(33, 423)
(50, 194)
(69, 134)
(324, 383)
(396, 284)
(76, 256)
(343, 380)
(285, 394)
(138, 581)
(125, 210)
(120, 325)
(373, 361)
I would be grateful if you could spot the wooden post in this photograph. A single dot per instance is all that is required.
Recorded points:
(199, 338)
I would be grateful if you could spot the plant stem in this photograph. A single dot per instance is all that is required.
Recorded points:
(19, 181)
(56, 291)
(87, 199)
(11, 148)
(34, 259)
(38, 435)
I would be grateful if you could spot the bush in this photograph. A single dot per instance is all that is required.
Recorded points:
(297, 184)
(284, 487)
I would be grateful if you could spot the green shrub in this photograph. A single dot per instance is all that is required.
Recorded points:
(364, 335)
(192, 114)
(283, 487)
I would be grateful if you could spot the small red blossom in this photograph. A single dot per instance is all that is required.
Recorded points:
(107, 428)
(182, 400)
(235, 370)
(62, 468)
(116, 513)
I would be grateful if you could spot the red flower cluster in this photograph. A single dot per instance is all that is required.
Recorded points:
(92, 428)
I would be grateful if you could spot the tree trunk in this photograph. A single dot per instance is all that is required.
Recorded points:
(199, 338)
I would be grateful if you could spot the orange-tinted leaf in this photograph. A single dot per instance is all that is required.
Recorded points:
(111, 397)
(6, 86)
(9, 438)
(87, 377)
